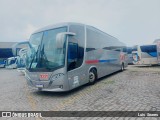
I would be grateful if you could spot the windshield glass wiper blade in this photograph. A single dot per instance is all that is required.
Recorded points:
(34, 56)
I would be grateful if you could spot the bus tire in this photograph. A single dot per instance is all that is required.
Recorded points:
(92, 76)
(122, 67)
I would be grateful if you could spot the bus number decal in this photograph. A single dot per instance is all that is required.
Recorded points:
(76, 81)
(43, 76)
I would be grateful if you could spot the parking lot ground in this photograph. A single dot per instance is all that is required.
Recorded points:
(135, 89)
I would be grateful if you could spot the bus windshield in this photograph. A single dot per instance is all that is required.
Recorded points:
(43, 54)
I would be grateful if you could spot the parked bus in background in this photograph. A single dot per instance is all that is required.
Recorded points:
(158, 51)
(2, 63)
(11, 62)
(129, 52)
(146, 55)
(134, 48)
(65, 56)
(123, 54)
(22, 60)
(18, 61)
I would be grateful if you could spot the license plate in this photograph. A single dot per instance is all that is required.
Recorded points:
(39, 86)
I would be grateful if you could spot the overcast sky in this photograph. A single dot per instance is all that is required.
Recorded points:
(131, 21)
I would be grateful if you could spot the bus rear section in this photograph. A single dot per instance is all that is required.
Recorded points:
(146, 55)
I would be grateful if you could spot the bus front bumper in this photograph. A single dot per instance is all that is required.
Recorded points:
(53, 86)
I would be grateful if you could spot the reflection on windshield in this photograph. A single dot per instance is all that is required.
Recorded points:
(34, 42)
(44, 54)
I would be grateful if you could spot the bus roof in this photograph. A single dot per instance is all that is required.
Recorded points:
(10, 58)
(148, 44)
(67, 24)
(73, 23)
(57, 25)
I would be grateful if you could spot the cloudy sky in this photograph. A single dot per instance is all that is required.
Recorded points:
(131, 21)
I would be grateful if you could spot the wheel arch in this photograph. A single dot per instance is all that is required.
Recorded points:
(93, 67)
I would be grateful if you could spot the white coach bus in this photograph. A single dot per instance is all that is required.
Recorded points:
(67, 55)
(146, 55)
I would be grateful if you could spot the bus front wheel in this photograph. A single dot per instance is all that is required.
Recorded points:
(92, 76)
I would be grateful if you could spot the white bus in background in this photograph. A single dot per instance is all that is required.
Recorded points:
(12, 62)
(158, 51)
(129, 52)
(18, 61)
(21, 64)
(2, 63)
(146, 55)
(64, 56)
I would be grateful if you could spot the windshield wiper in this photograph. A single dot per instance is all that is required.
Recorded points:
(34, 57)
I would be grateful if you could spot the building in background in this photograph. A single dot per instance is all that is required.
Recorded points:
(6, 49)
(5, 52)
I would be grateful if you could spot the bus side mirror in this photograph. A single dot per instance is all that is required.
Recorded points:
(60, 38)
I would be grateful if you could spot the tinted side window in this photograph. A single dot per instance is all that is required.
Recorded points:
(134, 48)
(6, 52)
(76, 45)
(129, 50)
(150, 48)
(124, 49)
(97, 39)
(72, 55)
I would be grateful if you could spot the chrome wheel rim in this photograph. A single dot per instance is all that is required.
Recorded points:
(91, 77)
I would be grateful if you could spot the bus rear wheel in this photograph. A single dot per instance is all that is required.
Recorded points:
(92, 76)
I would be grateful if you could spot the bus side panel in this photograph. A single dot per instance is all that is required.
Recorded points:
(130, 59)
(148, 59)
(99, 52)
(102, 52)
(98, 59)
(77, 75)
(158, 51)
(148, 54)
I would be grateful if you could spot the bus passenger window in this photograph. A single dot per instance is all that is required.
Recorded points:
(72, 55)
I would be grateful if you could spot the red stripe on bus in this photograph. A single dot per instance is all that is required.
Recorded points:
(91, 61)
